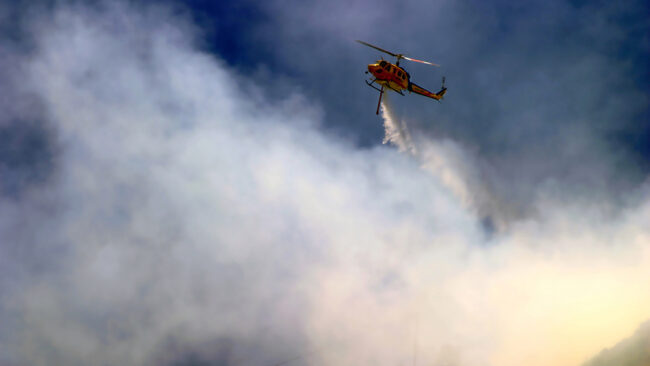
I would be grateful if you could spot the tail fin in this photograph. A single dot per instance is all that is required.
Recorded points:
(443, 90)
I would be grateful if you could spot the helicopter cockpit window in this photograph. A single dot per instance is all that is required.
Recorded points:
(399, 73)
(382, 64)
(388, 68)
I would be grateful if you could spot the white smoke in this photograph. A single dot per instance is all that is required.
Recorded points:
(191, 221)
(450, 163)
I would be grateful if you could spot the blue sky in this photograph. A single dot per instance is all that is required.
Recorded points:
(526, 81)
(206, 183)
(507, 46)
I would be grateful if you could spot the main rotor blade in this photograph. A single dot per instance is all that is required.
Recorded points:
(397, 55)
(424, 62)
(379, 49)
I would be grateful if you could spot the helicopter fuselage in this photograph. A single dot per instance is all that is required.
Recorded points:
(395, 78)
(390, 75)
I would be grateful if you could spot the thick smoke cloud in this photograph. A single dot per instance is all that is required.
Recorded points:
(187, 219)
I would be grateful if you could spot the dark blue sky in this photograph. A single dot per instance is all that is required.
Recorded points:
(539, 90)
(486, 48)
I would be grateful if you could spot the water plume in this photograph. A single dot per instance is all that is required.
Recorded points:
(451, 163)
(396, 131)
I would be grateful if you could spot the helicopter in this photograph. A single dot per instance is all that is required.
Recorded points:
(395, 78)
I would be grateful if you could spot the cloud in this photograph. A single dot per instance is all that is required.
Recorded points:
(189, 219)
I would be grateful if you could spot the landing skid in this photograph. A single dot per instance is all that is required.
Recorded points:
(387, 85)
(381, 91)
(372, 86)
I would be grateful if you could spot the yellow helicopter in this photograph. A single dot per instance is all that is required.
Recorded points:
(394, 77)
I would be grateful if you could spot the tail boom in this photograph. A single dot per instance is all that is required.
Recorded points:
(420, 90)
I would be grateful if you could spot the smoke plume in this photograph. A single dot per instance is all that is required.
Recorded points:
(184, 218)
